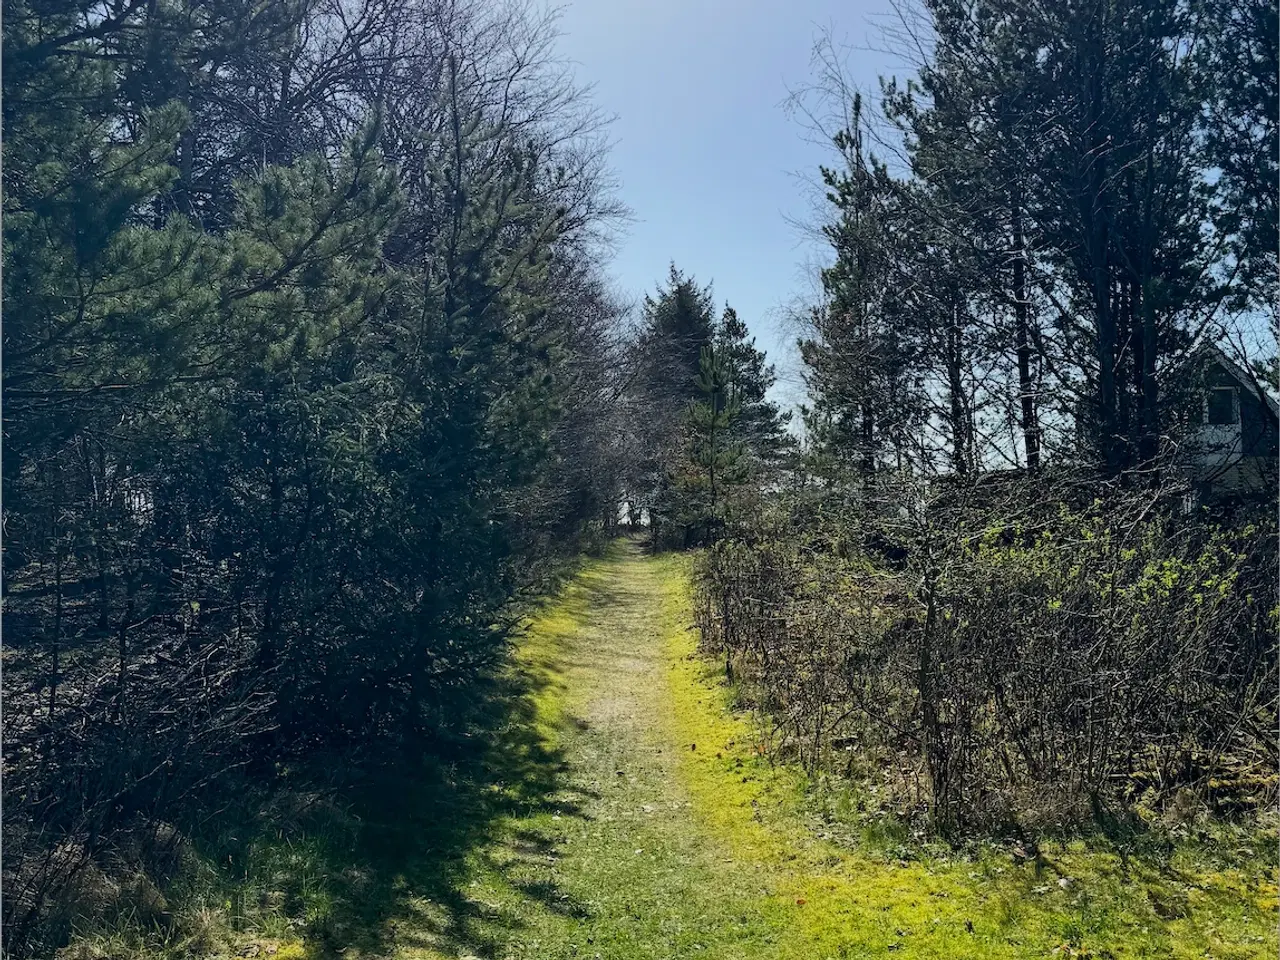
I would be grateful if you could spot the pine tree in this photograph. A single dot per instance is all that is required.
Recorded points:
(762, 426)
(716, 455)
(286, 421)
(678, 325)
(857, 361)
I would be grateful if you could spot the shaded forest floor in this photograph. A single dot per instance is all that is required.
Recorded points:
(620, 809)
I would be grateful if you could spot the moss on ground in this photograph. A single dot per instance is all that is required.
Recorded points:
(1085, 901)
(619, 808)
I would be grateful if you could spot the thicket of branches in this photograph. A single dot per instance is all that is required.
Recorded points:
(309, 371)
(983, 583)
(1062, 662)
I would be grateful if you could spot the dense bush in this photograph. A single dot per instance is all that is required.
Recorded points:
(1032, 672)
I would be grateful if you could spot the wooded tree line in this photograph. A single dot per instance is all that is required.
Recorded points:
(311, 369)
(981, 596)
(1069, 199)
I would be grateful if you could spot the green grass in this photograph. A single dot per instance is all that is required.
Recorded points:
(1187, 900)
(615, 805)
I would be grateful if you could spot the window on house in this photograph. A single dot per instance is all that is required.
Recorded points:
(1221, 406)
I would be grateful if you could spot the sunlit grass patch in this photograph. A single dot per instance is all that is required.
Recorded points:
(619, 804)
(1080, 899)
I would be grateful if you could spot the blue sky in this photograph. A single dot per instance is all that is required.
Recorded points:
(707, 157)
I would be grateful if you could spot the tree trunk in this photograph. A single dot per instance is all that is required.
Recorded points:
(1148, 386)
(931, 733)
(1094, 215)
(1022, 341)
(960, 439)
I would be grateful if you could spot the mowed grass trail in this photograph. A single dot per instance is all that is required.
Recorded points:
(657, 831)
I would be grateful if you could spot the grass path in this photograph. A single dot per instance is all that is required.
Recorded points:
(657, 832)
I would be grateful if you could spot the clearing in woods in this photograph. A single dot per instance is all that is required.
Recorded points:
(630, 815)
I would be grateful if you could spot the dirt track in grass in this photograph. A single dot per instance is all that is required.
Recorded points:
(639, 821)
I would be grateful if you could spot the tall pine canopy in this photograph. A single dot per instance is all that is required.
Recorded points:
(311, 371)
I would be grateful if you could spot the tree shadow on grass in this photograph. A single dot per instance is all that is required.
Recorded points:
(423, 820)
(384, 858)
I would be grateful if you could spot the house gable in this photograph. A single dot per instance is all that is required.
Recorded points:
(1237, 439)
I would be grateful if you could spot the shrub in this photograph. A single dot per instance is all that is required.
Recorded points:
(1031, 671)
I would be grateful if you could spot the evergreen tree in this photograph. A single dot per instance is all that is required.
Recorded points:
(857, 360)
(310, 371)
(762, 426)
(1050, 279)
(715, 455)
(1238, 62)
(678, 325)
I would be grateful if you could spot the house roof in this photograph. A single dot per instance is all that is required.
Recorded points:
(1246, 380)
